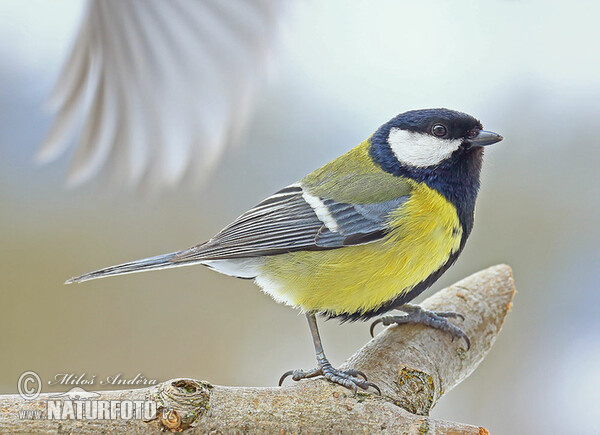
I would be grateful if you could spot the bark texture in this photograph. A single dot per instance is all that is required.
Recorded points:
(413, 365)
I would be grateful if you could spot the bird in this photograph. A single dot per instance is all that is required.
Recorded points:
(363, 235)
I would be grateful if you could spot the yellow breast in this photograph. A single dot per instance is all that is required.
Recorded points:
(425, 232)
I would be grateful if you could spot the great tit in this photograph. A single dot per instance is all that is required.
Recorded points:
(360, 236)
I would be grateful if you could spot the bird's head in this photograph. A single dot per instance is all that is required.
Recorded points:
(430, 137)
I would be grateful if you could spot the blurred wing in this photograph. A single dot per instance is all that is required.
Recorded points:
(293, 220)
(159, 85)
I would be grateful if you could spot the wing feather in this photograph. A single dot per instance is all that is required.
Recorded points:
(286, 222)
(159, 86)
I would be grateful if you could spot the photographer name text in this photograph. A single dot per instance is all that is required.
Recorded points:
(87, 380)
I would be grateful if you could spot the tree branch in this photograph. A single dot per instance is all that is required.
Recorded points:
(413, 365)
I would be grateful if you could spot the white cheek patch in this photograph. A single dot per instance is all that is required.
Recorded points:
(419, 149)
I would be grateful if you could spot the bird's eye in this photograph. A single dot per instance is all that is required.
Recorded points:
(439, 130)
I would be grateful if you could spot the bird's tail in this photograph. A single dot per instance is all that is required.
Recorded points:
(151, 263)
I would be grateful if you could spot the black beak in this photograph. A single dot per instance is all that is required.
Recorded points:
(485, 138)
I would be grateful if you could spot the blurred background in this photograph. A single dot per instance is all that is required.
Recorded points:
(529, 70)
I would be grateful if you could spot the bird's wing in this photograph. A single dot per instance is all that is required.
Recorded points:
(293, 220)
(159, 86)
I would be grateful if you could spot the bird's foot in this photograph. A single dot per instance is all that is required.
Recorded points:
(435, 319)
(348, 378)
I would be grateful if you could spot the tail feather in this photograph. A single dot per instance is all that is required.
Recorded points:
(151, 263)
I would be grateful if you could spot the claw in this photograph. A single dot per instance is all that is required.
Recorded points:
(380, 320)
(464, 336)
(285, 375)
(450, 315)
(371, 384)
(468, 341)
(355, 373)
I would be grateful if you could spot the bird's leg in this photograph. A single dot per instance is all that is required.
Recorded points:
(435, 319)
(347, 378)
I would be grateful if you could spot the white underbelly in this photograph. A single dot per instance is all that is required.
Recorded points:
(238, 267)
(252, 268)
